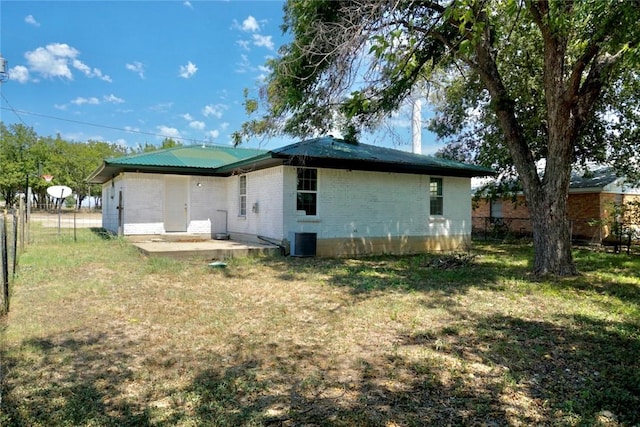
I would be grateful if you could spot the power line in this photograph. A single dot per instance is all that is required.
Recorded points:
(97, 125)
(12, 109)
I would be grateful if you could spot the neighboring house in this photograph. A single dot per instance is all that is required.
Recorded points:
(592, 196)
(339, 198)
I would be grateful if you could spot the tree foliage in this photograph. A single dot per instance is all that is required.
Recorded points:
(517, 81)
(148, 147)
(25, 157)
(598, 79)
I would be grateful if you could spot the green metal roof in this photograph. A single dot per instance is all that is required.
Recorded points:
(201, 159)
(329, 149)
(320, 152)
(194, 156)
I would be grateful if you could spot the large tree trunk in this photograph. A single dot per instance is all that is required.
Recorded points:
(547, 199)
(547, 195)
(551, 234)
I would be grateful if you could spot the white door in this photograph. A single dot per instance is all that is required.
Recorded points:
(176, 199)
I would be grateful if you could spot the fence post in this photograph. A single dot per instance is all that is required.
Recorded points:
(15, 245)
(21, 220)
(5, 264)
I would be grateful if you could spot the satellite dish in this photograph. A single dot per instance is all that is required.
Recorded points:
(59, 191)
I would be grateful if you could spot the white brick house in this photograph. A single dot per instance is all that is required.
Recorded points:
(349, 199)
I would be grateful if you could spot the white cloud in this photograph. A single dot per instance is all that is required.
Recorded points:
(162, 107)
(84, 68)
(214, 110)
(60, 106)
(169, 132)
(54, 60)
(131, 129)
(19, 74)
(250, 24)
(188, 4)
(97, 73)
(137, 67)
(265, 71)
(244, 65)
(187, 71)
(113, 99)
(213, 133)
(244, 44)
(224, 125)
(197, 125)
(263, 41)
(90, 101)
(29, 19)
(73, 136)
(79, 65)
(188, 117)
(61, 49)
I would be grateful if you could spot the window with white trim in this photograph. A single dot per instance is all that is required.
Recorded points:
(436, 197)
(307, 190)
(242, 191)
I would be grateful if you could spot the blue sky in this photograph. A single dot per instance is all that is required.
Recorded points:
(131, 72)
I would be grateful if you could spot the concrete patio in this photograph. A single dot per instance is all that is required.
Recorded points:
(196, 246)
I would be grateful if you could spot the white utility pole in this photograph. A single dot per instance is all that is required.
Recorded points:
(416, 126)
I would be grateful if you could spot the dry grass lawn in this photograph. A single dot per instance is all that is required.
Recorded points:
(100, 336)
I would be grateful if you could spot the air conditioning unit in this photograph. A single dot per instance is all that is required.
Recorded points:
(303, 244)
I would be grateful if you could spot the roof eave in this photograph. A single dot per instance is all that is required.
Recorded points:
(108, 172)
(381, 166)
(93, 178)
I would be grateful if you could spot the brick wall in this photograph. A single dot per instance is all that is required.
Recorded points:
(358, 204)
(264, 205)
(378, 212)
(582, 208)
(515, 215)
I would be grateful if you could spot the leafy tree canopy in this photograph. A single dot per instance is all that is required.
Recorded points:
(25, 157)
(166, 143)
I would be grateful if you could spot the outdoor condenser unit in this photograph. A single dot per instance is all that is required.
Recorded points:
(303, 244)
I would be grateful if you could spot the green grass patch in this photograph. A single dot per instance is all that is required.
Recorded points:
(100, 335)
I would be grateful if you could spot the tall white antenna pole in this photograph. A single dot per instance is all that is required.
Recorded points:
(416, 126)
(4, 72)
